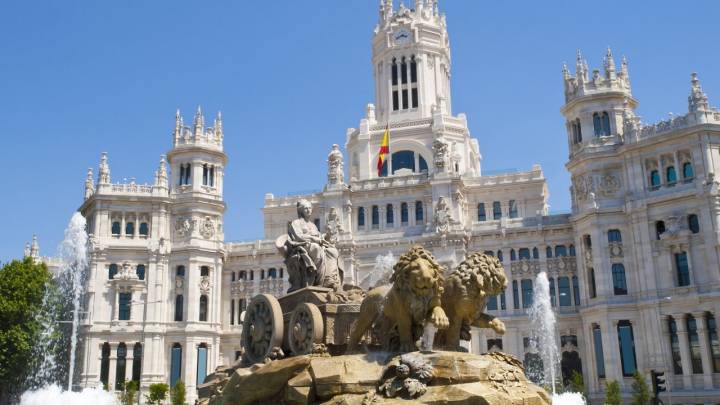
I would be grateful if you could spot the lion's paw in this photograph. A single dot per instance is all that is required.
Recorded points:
(498, 326)
(439, 319)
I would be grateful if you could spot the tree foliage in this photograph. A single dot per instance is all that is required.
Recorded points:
(612, 393)
(641, 391)
(129, 396)
(157, 394)
(576, 383)
(22, 288)
(177, 394)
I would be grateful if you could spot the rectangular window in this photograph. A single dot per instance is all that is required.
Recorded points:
(513, 212)
(124, 306)
(497, 210)
(675, 347)
(614, 236)
(403, 72)
(503, 306)
(619, 283)
(576, 290)
(591, 282)
(494, 344)
(414, 93)
(175, 364)
(564, 289)
(481, 212)
(405, 100)
(527, 292)
(683, 269)
(413, 71)
(627, 348)
(524, 253)
(552, 291)
(201, 364)
(396, 100)
(394, 73)
(516, 296)
(232, 312)
(375, 216)
(599, 358)
(389, 214)
(419, 211)
(492, 303)
(404, 213)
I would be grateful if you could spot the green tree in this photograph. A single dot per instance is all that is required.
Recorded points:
(177, 394)
(22, 288)
(157, 394)
(612, 393)
(577, 384)
(128, 396)
(641, 391)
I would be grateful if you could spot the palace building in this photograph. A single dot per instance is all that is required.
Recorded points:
(634, 269)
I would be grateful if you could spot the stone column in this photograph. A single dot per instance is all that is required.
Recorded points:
(383, 217)
(666, 348)
(705, 353)
(611, 351)
(684, 349)
(112, 363)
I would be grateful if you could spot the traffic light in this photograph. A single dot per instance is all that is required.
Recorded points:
(658, 382)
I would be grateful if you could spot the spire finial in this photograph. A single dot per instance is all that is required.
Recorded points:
(199, 122)
(698, 100)
(104, 169)
(89, 189)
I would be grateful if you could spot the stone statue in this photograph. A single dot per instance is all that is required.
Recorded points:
(464, 299)
(310, 257)
(335, 166)
(401, 310)
(443, 217)
(333, 226)
(440, 154)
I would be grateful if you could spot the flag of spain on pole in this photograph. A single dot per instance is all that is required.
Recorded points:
(384, 150)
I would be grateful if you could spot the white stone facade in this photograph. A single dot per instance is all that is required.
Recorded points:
(433, 192)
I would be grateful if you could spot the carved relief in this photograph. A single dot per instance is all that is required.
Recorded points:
(440, 154)
(207, 230)
(443, 217)
(333, 226)
(205, 284)
(184, 226)
(609, 185)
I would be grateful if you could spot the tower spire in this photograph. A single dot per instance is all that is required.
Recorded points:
(161, 173)
(609, 64)
(199, 122)
(698, 100)
(104, 169)
(218, 126)
(89, 189)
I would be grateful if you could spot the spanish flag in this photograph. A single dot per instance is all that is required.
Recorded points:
(384, 149)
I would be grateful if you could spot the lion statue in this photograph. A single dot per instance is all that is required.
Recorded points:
(400, 311)
(464, 299)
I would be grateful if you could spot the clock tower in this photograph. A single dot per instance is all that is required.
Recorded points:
(411, 60)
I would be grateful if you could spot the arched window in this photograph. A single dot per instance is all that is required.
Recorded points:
(565, 298)
(579, 130)
(714, 341)
(262, 274)
(659, 229)
(423, 165)
(605, 124)
(404, 213)
(489, 253)
(413, 70)
(627, 348)
(571, 250)
(204, 271)
(175, 363)
(144, 229)
(232, 278)
(560, 251)
(404, 159)
(281, 272)
(587, 241)
(129, 229)
(524, 254)
(201, 363)
(375, 217)
(688, 172)
(389, 214)
(242, 275)
(403, 70)
(115, 228)
(137, 361)
(535, 253)
(527, 292)
(500, 255)
(395, 94)
(212, 176)
(576, 290)
(548, 252)
(670, 175)
(619, 282)
(614, 236)
(181, 181)
(682, 268)
(693, 223)
(394, 72)
(361, 217)
(205, 175)
(232, 312)
(112, 271)
(252, 275)
(120, 366)
(597, 124)
(695, 348)
(180, 271)
(272, 273)
(497, 210)
(203, 308)
(654, 179)
(188, 173)
(481, 215)
(513, 257)
(516, 295)
(598, 349)
(179, 302)
(419, 211)
(574, 132)
(140, 271)
(105, 364)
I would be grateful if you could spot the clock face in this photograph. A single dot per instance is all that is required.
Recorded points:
(402, 36)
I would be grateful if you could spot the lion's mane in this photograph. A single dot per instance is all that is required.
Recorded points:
(400, 278)
(479, 272)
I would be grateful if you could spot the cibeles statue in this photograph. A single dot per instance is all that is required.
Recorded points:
(311, 257)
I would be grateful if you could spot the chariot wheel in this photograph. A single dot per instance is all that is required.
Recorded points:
(306, 328)
(262, 327)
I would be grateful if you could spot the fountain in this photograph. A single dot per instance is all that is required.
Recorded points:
(62, 305)
(542, 318)
(381, 272)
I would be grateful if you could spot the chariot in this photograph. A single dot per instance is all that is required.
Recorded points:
(296, 323)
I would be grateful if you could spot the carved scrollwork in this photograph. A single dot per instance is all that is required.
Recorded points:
(207, 230)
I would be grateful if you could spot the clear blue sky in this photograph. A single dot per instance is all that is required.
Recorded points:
(81, 77)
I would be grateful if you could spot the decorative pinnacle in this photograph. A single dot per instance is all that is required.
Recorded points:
(565, 71)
